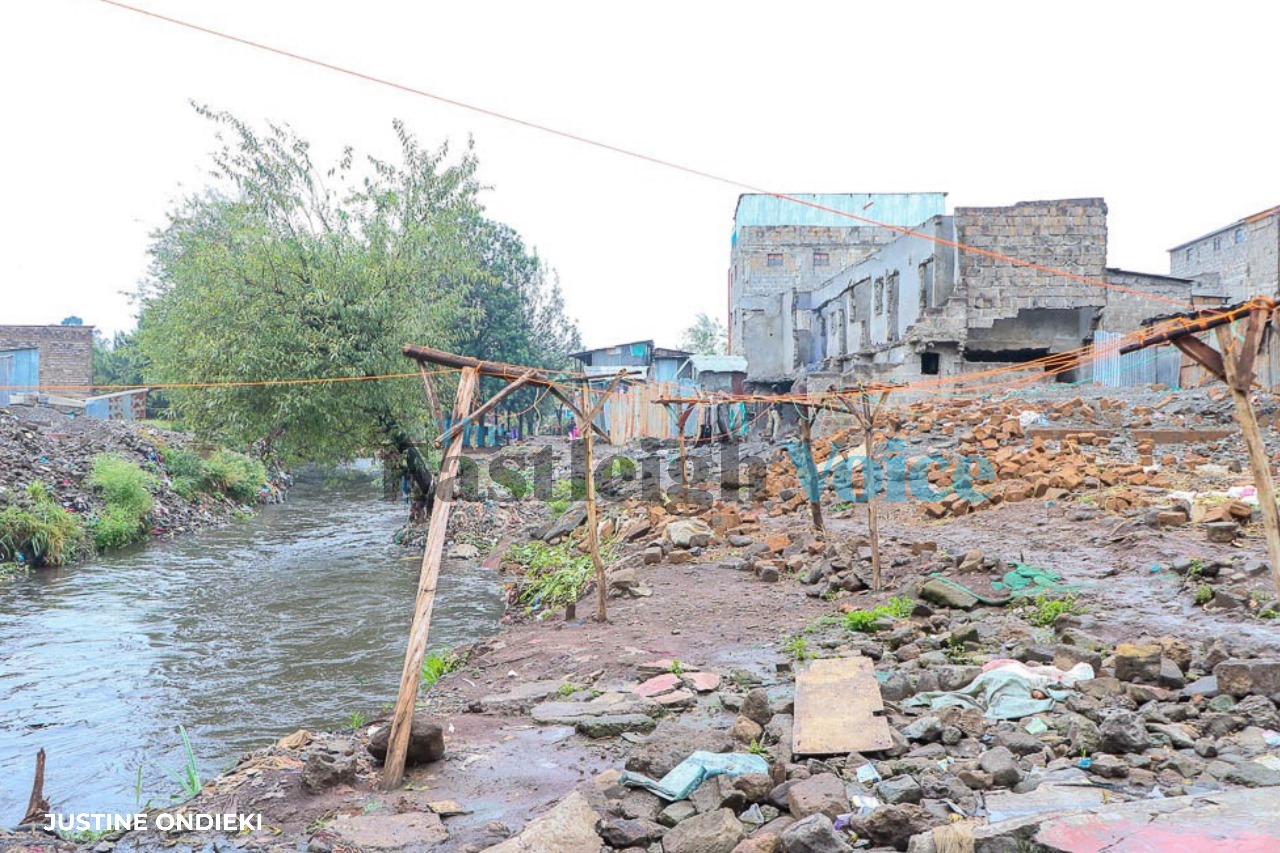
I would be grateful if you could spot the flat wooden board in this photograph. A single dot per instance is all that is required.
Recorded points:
(836, 704)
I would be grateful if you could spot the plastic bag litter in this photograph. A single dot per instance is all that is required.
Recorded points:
(867, 774)
(699, 766)
(863, 804)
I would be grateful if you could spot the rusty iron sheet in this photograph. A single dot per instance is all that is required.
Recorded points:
(837, 700)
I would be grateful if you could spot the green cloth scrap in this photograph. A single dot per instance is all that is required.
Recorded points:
(1033, 580)
(1023, 580)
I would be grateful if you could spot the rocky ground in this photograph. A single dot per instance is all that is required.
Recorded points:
(1132, 691)
(46, 445)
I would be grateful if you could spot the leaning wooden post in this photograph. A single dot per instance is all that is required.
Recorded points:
(807, 417)
(593, 527)
(868, 478)
(402, 718)
(1238, 383)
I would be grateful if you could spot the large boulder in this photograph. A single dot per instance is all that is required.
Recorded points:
(426, 740)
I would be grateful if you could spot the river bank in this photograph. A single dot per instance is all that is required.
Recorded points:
(44, 452)
(715, 608)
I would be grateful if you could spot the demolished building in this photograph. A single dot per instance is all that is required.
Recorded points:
(908, 302)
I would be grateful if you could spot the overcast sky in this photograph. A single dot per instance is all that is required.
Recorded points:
(1167, 110)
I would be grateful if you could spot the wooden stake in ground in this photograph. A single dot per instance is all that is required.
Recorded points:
(868, 432)
(593, 527)
(37, 805)
(1237, 362)
(402, 718)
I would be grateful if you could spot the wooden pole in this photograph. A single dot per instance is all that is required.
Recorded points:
(593, 527)
(402, 718)
(868, 429)
(1238, 385)
(681, 420)
(807, 417)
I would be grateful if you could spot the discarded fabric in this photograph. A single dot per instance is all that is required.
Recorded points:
(1006, 689)
(699, 766)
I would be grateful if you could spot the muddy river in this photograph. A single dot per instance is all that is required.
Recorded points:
(295, 618)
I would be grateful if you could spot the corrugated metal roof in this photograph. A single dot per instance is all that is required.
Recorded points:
(719, 363)
(904, 209)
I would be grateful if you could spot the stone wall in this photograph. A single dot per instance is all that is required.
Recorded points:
(66, 354)
(1068, 234)
(1237, 262)
(1126, 311)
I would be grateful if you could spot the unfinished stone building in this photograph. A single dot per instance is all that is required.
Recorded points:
(1235, 262)
(781, 251)
(916, 305)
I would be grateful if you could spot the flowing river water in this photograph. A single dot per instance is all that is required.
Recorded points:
(295, 618)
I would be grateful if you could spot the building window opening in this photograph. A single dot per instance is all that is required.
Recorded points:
(1239, 235)
(930, 363)
(774, 259)
(1191, 254)
(821, 259)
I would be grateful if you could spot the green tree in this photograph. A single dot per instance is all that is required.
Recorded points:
(287, 271)
(706, 336)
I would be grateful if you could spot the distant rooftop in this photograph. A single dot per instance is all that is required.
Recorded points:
(903, 209)
(1248, 220)
(719, 363)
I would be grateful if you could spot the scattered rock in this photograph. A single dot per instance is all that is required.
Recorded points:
(672, 743)
(900, 789)
(611, 725)
(426, 741)
(570, 827)
(943, 594)
(324, 770)
(1002, 766)
(813, 834)
(1122, 732)
(715, 832)
(1242, 677)
(823, 793)
(1138, 663)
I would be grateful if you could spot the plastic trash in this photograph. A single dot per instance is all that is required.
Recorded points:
(1084, 763)
(863, 804)
(867, 774)
(699, 766)
(1036, 726)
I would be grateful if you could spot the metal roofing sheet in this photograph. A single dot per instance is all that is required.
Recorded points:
(904, 209)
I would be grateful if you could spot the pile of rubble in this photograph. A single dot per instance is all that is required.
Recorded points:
(1147, 719)
(46, 446)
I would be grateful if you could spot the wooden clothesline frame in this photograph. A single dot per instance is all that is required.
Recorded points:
(585, 410)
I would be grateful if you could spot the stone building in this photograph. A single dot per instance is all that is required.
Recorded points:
(1236, 262)
(917, 305)
(59, 357)
(782, 250)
